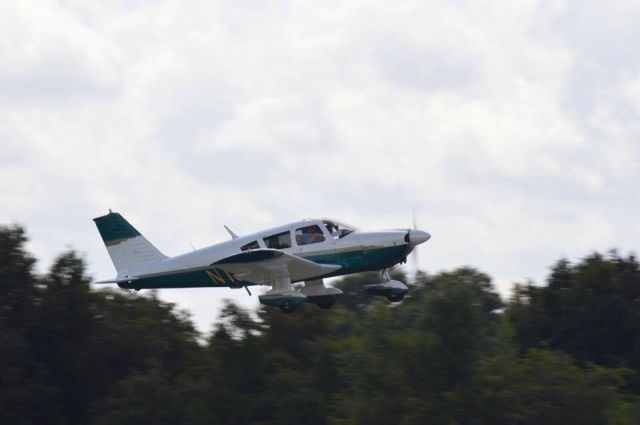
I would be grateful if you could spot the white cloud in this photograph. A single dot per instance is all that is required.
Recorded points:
(511, 128)
(48, 56)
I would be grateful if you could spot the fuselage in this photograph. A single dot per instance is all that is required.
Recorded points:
(322, 241)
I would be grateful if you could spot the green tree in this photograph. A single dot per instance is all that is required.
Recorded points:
(17, 281)
(141, 397)
(543, 387)
(590, 310)
(297, 364)
(562, 353)
(411, 363)
(24, 396)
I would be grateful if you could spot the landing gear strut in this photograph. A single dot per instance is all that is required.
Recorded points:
(392, 289)
(282, 295)
(384, 275)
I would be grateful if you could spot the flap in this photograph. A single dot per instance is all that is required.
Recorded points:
(264, 266)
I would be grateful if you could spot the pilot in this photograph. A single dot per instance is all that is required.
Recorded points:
(334, 230)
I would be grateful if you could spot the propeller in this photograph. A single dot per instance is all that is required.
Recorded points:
(415, 237)
(415, 248)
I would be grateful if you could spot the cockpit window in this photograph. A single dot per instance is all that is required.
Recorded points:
(338, 230)
(250, 245)
(279, 241)
(308, 235)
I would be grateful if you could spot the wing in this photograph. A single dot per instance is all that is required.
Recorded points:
(268, 266)
(116, 280)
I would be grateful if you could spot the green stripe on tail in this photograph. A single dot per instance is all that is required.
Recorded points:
(114, 228)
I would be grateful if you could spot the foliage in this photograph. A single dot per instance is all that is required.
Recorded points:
(590, 310)
(543, 387)
(451, 353)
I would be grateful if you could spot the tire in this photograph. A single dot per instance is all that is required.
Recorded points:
(394, 298)
(326, 305)
(288, 308)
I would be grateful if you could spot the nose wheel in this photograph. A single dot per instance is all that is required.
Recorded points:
(393, 290)
(394, 298)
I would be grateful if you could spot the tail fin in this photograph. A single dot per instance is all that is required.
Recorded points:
(126, 246)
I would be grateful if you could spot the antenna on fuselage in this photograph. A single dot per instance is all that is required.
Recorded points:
(233, 235)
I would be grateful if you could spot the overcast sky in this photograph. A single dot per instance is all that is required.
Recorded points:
(511, 128)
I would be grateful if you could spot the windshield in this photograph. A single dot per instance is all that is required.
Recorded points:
(338, 230)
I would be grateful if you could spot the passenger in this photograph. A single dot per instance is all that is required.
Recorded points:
(303, 237)
(315, 235)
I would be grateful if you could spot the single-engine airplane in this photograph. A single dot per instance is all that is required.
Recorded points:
(305, 251)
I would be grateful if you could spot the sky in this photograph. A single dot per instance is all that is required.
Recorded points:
(510, 129)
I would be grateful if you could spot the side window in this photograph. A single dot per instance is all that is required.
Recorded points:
(308, 235)
(279, 241)
(250, 245)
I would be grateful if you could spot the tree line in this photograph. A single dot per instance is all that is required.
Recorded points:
(566, 351)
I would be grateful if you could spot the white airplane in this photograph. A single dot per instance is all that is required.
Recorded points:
(305, 251)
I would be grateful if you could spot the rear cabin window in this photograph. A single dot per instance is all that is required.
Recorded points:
(250, 245)
(279, 241)
(308, 235)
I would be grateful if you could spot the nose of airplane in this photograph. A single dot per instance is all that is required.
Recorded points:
(417, 237)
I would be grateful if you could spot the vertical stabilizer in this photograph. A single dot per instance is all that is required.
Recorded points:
(126, 246)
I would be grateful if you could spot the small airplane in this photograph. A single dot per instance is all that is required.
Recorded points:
(304, 251)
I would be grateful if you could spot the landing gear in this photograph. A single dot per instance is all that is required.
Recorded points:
(320, 295)
(287, 299)
(394, 298)
(283, 295)
(326, 305)
(392, 289)
(288, 308)
(384, 275)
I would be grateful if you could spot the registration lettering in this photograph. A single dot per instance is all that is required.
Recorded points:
(221, 277)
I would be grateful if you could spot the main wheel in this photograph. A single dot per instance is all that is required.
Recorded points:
(326, 305)
(288, 308)
(394, 298)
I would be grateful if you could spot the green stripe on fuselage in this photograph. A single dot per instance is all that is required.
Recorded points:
(351, 261)
(213, 277)
(360, 260)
